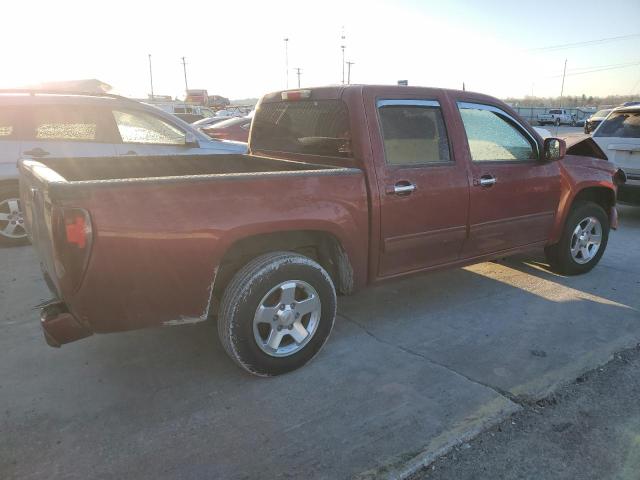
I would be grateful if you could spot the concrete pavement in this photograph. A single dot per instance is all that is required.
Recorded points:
(412, 367)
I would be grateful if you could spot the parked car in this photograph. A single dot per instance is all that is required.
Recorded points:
(231, 129)
(594, 120)
(184, 111)
(619, 137)
(343, 187)
(556, 117)
(38, 124)
(207, 122)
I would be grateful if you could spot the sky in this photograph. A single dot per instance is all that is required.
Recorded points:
(237, 48)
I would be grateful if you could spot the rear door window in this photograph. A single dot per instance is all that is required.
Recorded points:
(620, 125)
(413, 134)
(70, 123)
(316, 127)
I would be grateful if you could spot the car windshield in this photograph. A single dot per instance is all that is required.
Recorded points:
(602, 113)
(620, 125)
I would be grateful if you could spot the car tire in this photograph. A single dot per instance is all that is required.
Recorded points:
(576, 252)
(12, 230)
(573, 123)
(264, 306)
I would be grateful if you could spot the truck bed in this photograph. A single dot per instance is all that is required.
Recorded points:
(154, 167)
(161, 225)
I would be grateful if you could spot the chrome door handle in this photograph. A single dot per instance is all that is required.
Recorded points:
(486, 181)
(403, 188)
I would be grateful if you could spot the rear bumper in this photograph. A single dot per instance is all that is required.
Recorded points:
(60, 326)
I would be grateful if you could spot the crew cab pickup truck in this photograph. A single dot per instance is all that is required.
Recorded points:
(556, 117)
(343, 187)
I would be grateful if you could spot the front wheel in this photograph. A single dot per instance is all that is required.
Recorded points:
(277, 313)
(12, 231)
(583, 240)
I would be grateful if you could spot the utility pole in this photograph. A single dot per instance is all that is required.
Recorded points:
(464, 88)
(184, 67)
(151, 77)
(563, 75)
(298, 72)
(343, 46)
(349, 72)
(286, 60)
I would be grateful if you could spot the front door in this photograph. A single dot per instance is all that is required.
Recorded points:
(514, 195)
(424, 190)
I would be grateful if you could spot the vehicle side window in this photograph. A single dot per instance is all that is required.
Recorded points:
(492, 137)
(68, 123)
(143, 127)
(7, 124)
(413, 134)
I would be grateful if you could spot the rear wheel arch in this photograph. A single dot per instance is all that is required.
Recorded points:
(321, 246)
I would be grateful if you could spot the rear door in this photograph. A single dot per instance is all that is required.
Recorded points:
(424, 190)
(68, 130)
(514, 195)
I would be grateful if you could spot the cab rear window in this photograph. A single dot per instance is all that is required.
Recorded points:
(315, 127)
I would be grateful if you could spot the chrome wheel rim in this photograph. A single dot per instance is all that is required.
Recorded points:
(11, 219)
(586, 240)
(286, 319)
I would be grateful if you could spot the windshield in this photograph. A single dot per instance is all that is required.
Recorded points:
(602, 113)
(316, 127)
(620, 125)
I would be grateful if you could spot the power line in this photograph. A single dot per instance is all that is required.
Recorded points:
(597, 70)
(586, 42)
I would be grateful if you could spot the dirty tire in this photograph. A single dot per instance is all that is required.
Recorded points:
(9, 191)
(243, 296)
(559, 255)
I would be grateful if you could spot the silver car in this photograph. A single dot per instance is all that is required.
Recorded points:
(40, 124)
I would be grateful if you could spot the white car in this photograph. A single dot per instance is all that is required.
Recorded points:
(62, 124)
(619, 137)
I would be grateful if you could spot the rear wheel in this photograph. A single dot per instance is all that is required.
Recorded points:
(12, 230)
(276, 313)
(583, 240)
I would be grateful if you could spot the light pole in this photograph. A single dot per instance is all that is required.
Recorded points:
(286, 60)
(298, 72)
(349, 72)
(343, 46)
(151, 77)
(184, 67)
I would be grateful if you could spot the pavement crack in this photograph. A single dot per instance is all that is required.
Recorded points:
(513, 398)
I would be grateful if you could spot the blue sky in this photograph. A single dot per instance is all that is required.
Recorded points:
(236, 48)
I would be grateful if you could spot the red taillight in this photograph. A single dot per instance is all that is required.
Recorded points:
(72, 239)
(293, 95)
(76, 230)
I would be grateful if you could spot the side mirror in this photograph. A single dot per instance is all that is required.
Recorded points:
(554, 149)
(190, 140)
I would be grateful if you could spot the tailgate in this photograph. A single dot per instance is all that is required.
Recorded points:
(35, 179)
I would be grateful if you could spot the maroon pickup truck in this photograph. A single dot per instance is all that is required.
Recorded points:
(343, 187)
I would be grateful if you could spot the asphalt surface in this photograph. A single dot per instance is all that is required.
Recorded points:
(413, 368)
(589, 430)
